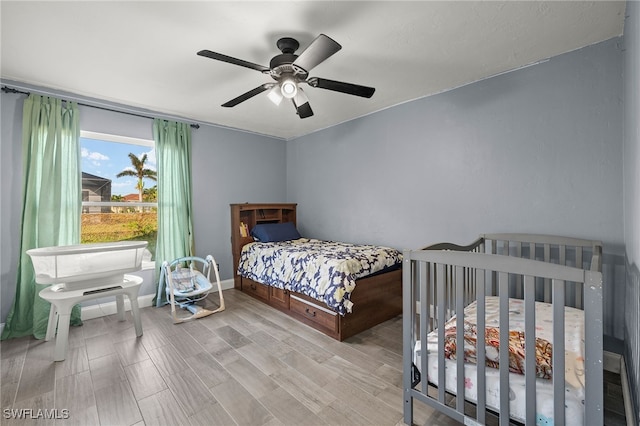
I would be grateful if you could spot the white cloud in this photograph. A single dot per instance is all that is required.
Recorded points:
(95, 156)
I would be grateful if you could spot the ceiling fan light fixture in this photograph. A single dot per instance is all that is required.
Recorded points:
(274, 95)
(288, 88)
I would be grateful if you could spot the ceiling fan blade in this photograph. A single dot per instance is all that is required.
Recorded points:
(230, 60)
(301, 102)
(339, 86)
(318, 51)
(245, 96)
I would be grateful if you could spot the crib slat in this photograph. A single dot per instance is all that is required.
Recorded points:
(519, 277)
(452, 291)
(494, 274)
(408, 332)
(447, 291)
(594, 410)
(562, 257)
(440, 288)
(459, 275)
(480, 347)
(474, 286)
(431, 295)
(558, 353)
(547, 282)
(579, 252)
(530, 348)
(579, 286)
(547, 253)
(471, 296)
(503, 283)
(424, 317)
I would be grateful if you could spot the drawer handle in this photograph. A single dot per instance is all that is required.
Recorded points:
(253, 287)
(313, 314)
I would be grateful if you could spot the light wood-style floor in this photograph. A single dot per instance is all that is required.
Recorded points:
(248, 365)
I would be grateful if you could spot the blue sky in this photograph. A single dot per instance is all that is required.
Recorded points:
(107, 159)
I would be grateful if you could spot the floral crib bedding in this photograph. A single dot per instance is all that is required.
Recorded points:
(574, 359)
(324, 270)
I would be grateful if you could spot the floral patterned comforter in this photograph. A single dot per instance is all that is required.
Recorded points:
(324, 270)
(543, 353)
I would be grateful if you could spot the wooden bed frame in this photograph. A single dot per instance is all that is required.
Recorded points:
(376, 299)
(441, 280)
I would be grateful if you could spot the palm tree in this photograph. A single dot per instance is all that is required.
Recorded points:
(139, 171)
(150, 195)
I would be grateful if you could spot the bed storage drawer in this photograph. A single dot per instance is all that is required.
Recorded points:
(315, 314)
(279, 298)
(255, 289)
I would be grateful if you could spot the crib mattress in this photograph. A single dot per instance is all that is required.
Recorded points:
(574, 360)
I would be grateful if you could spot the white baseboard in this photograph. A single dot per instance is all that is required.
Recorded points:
(227, 284)
(626, 395)
(614, 363)
(109, 308)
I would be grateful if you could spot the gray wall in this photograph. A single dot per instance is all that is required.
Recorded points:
(535, 150)
(231, 167)
(632, 195)
(228, 167)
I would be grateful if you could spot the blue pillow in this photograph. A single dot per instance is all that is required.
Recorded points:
(273, 232)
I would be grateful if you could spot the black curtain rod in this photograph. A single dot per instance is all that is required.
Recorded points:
(12, 90)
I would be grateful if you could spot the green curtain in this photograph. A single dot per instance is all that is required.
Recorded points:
(175, 210)
(52, 203)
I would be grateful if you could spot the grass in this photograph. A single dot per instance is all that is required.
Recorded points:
(125, 226)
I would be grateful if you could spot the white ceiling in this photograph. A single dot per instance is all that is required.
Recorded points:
(143, 54)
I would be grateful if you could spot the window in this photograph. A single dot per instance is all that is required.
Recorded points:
(119, 190)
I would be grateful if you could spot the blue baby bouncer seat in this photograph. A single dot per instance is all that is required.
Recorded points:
(187, 287)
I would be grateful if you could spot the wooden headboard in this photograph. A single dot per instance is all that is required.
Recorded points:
(245, 216)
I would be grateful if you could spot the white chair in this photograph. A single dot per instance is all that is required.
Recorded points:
(186, 285)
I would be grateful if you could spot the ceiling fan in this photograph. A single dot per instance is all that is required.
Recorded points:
(290, 70)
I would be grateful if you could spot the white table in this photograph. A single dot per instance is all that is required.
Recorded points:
(63, 301)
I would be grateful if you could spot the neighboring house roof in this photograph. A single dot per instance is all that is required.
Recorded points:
(131, 197)
(89, 176)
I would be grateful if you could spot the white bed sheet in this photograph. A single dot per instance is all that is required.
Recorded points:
(574, 360)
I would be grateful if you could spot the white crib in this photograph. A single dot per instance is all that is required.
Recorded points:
(547, 293)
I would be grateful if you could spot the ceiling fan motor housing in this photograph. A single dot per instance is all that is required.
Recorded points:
(282, 59)
(282, 64)
(287, 45)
